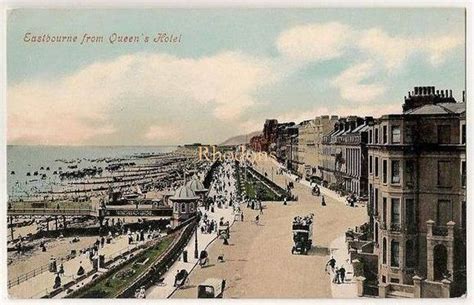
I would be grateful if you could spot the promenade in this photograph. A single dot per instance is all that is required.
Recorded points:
(258, 261)
(42, 284)
(166, 289)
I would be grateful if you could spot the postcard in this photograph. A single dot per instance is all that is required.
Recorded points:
(236, 153)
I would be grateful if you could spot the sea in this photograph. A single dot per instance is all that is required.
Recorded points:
(24, 159)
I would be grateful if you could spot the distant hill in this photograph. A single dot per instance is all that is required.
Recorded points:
(241, 139)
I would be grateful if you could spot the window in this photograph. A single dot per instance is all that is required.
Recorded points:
(371, 195)
(384, 210)
(463, 173)
(410, 212)
(463, 134)
(444, 134)
(384, 251)
(376, 201)
(376, 234)
(376, 166)
(443, 173)
(385, 136)
(370, 136)
(376, 136)
(370, 164)
(395, 171)
(410, 254)
(463, 215)
(409, 134)
(444, 212)
(183, 207)
(384, 171)
(395, 211)
(410, 172)
(395, 254)
(395, 134)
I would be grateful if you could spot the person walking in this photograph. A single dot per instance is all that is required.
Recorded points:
(336, 276)
(323, 201)
(242, 216)
(342, 274)
(284, 201)
(257, 218)
(331, 263)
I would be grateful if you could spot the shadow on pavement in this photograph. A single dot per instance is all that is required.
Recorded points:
(319, 251)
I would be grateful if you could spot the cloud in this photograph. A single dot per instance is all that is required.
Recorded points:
(86, 105)
(393, 51)
(314, 42)
(76, 108)
(351, 86)
(163, 133)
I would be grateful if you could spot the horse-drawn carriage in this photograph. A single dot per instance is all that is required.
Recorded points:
(203, 258)
(316, 191)
(181, 279)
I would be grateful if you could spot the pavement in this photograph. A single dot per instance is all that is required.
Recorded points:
(166, 288)
(42, 284)
(258, 261)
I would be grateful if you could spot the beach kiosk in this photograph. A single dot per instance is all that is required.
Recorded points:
(184, 202)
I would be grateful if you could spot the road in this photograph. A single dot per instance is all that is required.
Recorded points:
(258, 261)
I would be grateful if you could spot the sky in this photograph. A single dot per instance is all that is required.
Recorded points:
(231, 70)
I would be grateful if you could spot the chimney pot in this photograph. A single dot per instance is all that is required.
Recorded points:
(446, 93)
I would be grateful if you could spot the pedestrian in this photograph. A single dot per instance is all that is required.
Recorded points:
(342, 274)
(242, 217)
(284, 201)
(331, 263)
(257, 218)
(323, 201)
(261, 207)
(336, 276)
(57, 282)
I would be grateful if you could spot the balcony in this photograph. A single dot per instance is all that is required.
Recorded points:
(440, 230)
(395, 227)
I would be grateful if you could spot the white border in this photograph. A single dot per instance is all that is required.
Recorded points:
(237, 3)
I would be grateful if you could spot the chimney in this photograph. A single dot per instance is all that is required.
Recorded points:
(446, 92)
(450, 93)
(442, 93)
(416, 90)
(437, 92)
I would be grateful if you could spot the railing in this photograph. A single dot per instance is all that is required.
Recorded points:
(50, 211)
(31, 274)
(395, 227)
(26, 276)
(440, 230)
(371, 289)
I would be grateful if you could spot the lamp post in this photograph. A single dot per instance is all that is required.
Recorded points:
(196, 251)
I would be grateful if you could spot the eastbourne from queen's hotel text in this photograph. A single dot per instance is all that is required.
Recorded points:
(236, 153)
